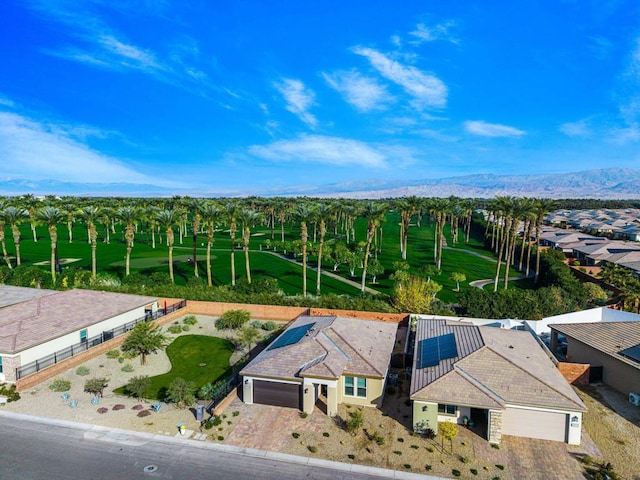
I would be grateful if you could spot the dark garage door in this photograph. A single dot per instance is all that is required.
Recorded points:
(278, 394)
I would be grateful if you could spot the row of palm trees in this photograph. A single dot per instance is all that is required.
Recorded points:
(314, 218)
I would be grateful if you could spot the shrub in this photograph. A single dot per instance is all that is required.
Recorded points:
(313, 448)
(269, 326)
(397, 452)
(220, 438)
(407, 466)
(60, 385)
(190, 320)
(175, 329)
(456, 473)
(304, 414)
(235, 413)
(181, 392)
(325, 434)
(233, 319)
(473, 471)
(464, 459)
(355, 422)
(430, 449)
(138, 386)
(115, 353)
(496, 446)
(256, 324)
(376, 437)
(127, 368)
(401, 440)
(208, 424)
(120, 359)
(10, 392)
(295, 435)
(351, 456)
(428, 467)
(96, 386)
(500, 467)
(185, 328)
(217, 420)
(415, 447)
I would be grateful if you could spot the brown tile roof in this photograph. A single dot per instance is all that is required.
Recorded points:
(333, 346)
(38, 320)
(10, 295)
(494, 367)
(608, 337)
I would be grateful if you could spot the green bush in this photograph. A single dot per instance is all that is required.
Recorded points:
(269, 326)
(120, 359)
(174, 329)
(181, 392)
(190, 320)
(82, 370)
(138, 386)
(295, 435)
(10, 392)
(185, 328)
(233, 319)
(60, 385)
(355, 422)
(456, 473)
(128, 368)
(256, 324)
(115, 353)
(313, 448)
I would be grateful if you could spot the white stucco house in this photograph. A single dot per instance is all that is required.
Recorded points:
(39, 328)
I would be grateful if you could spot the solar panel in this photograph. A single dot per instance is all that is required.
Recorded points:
(632, 352)
(433, 350)
(291, 336)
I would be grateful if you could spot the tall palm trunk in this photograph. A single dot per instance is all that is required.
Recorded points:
(370, 233)
(170, 245)
(129, 235)
(93, 238)
(196, 227)
(304, 236)
(232, 234)
(16, 240)
(4, 246)
(246, 235)
(53, 235)
(503, 240)
(323, 231)
(210, 232)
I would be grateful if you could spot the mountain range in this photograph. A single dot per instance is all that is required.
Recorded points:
(610, 183)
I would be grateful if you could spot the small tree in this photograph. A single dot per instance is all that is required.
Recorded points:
(248, 337)
(145, 338)
(414, 295)
(138, 386)
(181, 392)
(374, 268)
(448, 431)
(458, 277)
(233, 319)
(96, 386)
(354, 422)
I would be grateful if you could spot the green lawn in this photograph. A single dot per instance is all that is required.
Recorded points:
(186, 353)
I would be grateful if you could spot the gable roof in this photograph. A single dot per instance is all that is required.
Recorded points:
(494, 367)
(37, 320)
(332, 346)
(610, 337)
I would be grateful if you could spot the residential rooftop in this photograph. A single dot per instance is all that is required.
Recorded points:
(37, 320)
(10, 295)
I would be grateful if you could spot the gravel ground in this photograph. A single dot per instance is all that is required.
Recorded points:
(42, 401)
(614, 425)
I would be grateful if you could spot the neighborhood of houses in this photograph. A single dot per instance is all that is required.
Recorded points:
(502, 376)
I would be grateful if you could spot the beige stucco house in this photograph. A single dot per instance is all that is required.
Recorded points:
(500, 380)
(327, 360)
(41, 328)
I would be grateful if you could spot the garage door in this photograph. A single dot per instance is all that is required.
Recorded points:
(278, 394)
(534, 424)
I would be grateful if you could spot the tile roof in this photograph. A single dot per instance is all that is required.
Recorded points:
(494, 367)
(10, 295)
(333, 346)
(610, 337)
(37, 320)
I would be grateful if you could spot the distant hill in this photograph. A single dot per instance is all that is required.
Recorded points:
(611, 183)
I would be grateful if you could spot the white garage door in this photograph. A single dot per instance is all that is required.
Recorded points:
(535, 424)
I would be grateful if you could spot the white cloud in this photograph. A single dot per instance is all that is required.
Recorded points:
(424, 33)
(478, 127)
(428, 90)
(322, 149)
(362, 92)
(299, 99)
(580, 128)
(36, 151)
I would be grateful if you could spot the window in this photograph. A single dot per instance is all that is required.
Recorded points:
(355, 387)
(0, 364)
(446, 409)
(83, 336)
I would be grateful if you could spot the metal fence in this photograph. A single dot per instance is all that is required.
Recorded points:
(44, 362)
(223, 390)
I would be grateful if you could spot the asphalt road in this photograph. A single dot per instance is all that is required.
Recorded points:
(48, 451)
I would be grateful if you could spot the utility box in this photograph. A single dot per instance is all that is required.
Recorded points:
(200, 412)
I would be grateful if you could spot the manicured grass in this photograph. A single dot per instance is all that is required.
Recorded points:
(186, 354)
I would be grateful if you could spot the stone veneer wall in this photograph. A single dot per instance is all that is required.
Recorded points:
(495, 426)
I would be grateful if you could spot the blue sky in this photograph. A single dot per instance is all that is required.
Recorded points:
(244, 96)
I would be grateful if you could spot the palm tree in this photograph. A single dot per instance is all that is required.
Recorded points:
(195, 205)
(504, 205)
(408, 207)
(51, 216)
(231, 211)
(129, 216)
(210, 214)
(91, 213)
(541, 207)
(374, 214)
(322, 212)
(248, 218)
(31, 204)
(4, 244)
(303, 213)
(14, 216)
(438, 208)
(169, 218)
